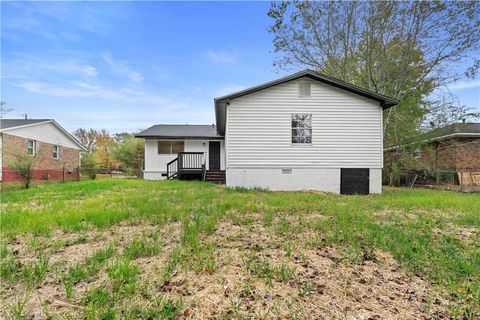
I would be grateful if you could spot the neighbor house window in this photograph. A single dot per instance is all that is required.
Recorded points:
(170, 147)
(302, 128)
(31, 147)
(56, 152)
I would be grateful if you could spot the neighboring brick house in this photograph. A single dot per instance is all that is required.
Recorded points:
(454, 148)
(56, 151)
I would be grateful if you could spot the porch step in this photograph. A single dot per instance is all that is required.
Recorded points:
(215, 176)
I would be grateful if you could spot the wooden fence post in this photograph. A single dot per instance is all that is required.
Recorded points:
(461, 181)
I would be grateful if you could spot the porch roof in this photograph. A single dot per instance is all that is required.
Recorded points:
(180, 131)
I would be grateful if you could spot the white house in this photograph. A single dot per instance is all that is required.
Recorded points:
(306, 131)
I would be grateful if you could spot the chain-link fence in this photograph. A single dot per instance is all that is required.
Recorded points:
(111, 170)
(468, 181)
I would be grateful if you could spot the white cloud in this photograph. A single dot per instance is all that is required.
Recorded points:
(29, 67)
(465, 85)
(221, 56)
(115, 108)
(121, 68)
(90, 71)
(79, 89)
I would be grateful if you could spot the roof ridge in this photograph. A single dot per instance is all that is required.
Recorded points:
(172, 124)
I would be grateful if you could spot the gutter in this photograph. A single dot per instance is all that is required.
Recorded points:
(452, 135)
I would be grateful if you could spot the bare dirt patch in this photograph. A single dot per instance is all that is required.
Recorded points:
(323, 286)
(50, 295)
(259, 272)
(462, 233)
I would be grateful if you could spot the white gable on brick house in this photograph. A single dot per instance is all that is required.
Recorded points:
(57, 152)
(46, 130)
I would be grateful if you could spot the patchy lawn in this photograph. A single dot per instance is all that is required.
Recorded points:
(138, 249)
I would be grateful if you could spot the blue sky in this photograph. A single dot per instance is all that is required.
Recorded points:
(124, 66)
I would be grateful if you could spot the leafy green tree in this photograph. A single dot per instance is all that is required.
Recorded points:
(22, 164)
(88, 165)
(130, 152)
(403, 49)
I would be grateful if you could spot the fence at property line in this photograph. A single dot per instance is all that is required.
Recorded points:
(61, 175)
(114, 169)
(458, 180)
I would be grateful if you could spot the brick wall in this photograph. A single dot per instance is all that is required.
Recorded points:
(468, 155)
(460, 154)
(457, 154)
(45, 166)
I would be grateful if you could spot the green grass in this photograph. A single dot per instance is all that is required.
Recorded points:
(403, 222)
(140, 247)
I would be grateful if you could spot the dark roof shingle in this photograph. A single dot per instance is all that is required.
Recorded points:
(10, 123)
(456, 128)
(180, 131)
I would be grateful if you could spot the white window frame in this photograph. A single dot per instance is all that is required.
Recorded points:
(33, 147)
(301, 128)
(56, 150)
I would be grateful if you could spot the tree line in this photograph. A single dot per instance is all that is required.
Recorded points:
(107, 152)
(408, 50)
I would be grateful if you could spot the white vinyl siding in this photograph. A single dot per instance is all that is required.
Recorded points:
(44, 132)
(346, 129)
(157, 163)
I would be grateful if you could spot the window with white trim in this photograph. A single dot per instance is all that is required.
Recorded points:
(302, 128)
(170, 147)
(56, 152)
(31, 147)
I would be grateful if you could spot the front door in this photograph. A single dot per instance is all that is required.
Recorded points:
(214, 155)
(355, 181)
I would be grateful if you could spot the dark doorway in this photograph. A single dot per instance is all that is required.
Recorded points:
(355, 181)
(214, 155)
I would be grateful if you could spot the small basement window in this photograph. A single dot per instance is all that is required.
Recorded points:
(31, 147)
(170, 147)
(304, 89)
(302, 128)
(56, 152)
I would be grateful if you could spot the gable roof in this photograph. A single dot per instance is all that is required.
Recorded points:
(180, 131)
(12, 124)
(221, 102)
(453, 130)
(456, 130)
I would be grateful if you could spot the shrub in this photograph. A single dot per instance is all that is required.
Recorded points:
(22, 165)
(89, 167)
(394, 175)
